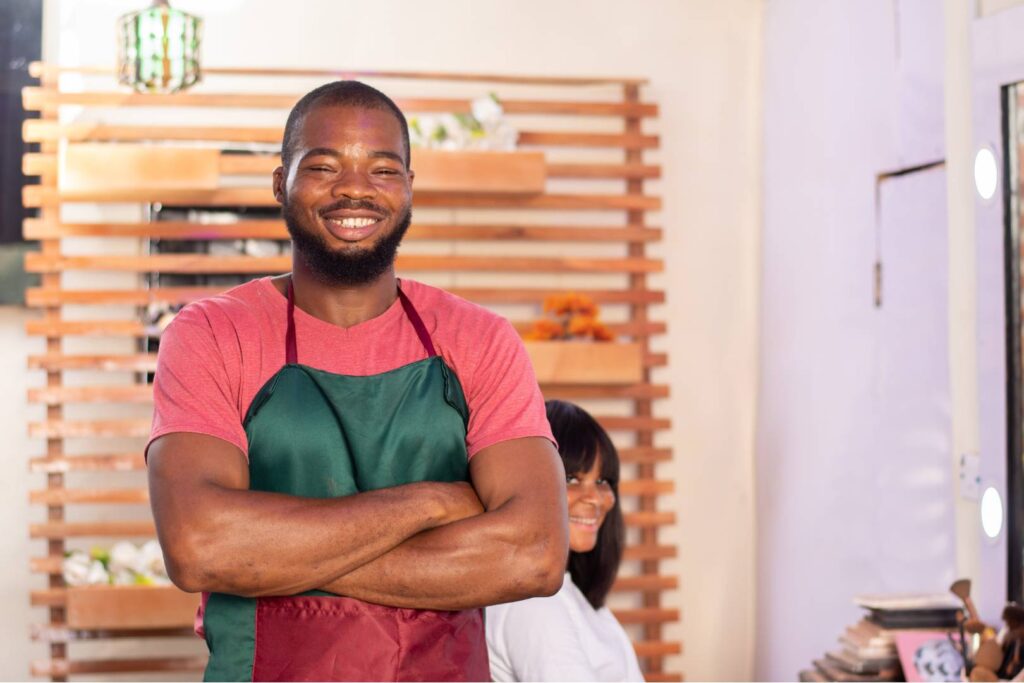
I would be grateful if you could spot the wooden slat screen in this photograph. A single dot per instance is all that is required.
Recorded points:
(588, 231)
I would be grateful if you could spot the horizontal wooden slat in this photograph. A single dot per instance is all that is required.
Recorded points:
(657, 648)
(610, 171)
(201, 263)
(141, 495)
(264, 164)
(46, 565)
(74, 496)
(129, 393)
(50, 597)
(627, 329)
(36, 229)
(114, 462)
(625, 140)
(39, 130)
(645, 582)
(666, 676)
(629, 423)
(37, 163)
(69, 429)
(63, 667)
(78, 529)
(141, 362)
(36, 98)
(655, 359)
(649, 552)
(109, 328)
(129, 328)
(645, 455)
(36, 296)
(575, 202)
(142, 393)
(134, 461)
(46, 71)
(648, 518)
(606, 392)
(59, 633)
(646, 615)
(644, 487)
(39, 196)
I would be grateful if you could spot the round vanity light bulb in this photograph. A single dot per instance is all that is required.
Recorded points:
(986, 173)
(991, 512)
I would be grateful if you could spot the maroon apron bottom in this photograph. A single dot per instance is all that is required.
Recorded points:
(313, 638)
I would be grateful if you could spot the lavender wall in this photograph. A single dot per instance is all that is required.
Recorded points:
(853, 452)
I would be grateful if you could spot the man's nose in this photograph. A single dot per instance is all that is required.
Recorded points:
(354, 184)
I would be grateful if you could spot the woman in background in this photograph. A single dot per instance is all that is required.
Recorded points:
(572, 636)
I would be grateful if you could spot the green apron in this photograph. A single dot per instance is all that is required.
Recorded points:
(321, 435)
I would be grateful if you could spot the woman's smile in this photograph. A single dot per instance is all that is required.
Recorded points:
(590, 498)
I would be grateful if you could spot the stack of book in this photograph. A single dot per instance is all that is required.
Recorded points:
(867, 650)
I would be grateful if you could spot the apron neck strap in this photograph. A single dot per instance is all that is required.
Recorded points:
(291, 352)
(417, 322)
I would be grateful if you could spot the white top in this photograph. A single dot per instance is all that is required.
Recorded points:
(560, 638)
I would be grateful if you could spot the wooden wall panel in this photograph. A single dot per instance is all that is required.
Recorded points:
(580, 206)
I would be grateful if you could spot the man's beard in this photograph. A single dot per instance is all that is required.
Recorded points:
(354, 266)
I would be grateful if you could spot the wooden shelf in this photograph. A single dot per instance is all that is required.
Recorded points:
(583, 362)
(130, 607)
(149, 171)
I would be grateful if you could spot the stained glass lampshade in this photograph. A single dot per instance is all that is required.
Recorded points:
(159, 48)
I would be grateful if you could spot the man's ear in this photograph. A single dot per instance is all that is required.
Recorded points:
(278, 184)
(412, 176)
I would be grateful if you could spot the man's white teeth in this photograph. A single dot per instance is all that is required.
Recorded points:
(353, 222)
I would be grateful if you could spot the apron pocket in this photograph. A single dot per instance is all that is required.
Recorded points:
(326, 638)
(318, 638)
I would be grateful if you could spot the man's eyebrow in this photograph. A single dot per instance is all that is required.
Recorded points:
(385, 154)
(320, 152)
(327, 151)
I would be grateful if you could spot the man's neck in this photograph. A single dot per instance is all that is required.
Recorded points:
(341, 305)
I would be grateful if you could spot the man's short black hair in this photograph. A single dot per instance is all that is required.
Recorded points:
(340, 93)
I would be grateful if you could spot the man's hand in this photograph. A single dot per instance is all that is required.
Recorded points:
(517, 549)
(463, 502)
(218, 536)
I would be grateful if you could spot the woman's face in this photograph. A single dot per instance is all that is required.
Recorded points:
(590, 499)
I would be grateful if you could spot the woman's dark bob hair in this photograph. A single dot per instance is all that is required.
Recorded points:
(580, 440)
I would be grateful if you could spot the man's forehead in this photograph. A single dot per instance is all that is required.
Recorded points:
(351, 123)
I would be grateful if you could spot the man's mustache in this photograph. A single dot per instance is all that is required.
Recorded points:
(354, 205)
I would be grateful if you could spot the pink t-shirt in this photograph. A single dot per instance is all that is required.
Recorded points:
(220, 351)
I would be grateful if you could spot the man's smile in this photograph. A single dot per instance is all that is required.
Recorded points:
(352, 226)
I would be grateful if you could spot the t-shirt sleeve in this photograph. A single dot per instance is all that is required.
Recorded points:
(197, 386)
(503, 396)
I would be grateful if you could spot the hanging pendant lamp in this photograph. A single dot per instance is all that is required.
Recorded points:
(159, 48)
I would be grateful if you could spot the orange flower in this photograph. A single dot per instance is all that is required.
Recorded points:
(557, 304)
(602, 333)
(570, 304)
(545, 329)
(581, 325)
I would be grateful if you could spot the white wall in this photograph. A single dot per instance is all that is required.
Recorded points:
(702, 57)
(854, 446)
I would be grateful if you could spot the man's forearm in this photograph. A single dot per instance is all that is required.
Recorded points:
(254, 543)
(483, 560)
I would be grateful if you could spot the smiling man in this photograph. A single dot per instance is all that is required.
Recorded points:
(347, 465)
